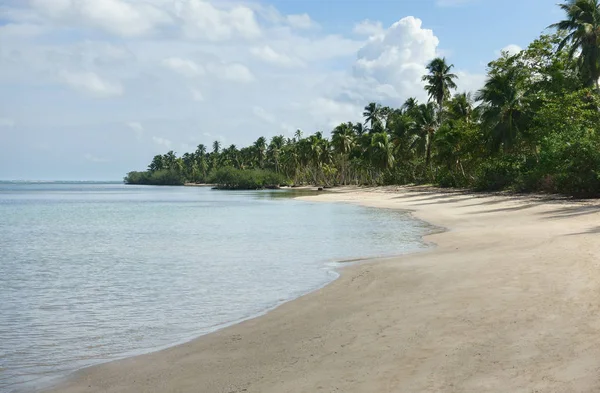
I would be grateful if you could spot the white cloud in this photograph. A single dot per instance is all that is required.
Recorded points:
(368, 28)
(6, 122)
(197, 95)
(398, 57)
(95, 159)
(184, 67)
(333, 112)
(137, 128)
(92, 84)
(202, 20)
(470, 82)
(267, 54)
(511, 49)
(162, 141)
(300, 21)
(233, 72)
(261, 113)
(117, 17)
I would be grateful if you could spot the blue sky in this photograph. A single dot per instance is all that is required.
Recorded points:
(90, 89)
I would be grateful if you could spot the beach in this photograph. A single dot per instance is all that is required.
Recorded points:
(508, 299)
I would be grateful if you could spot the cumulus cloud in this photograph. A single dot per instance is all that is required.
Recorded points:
(184, 67)
(137, 128)
(398, 56)
(117, 17)
(91, 83)
(368, 28)
(197, 95)
(162, 141)
(300, 21)
(202, 20)
(267, 54)
(233, 72)
(511, 49)
(95, 159)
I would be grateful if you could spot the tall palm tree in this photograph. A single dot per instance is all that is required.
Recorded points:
(216, 147)
(410, 104)
(439, 81)
(343, 140)
(461, 107)
(424, 127)
(260, 147)
(372, 115)
(381, 151)
(582, 25)
(274, 150)
(502, 112)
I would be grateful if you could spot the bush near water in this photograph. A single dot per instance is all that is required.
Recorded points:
(533, 126)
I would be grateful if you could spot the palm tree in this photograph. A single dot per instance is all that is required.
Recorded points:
(424, 127)
(439, 82)
(381, 151)
(216, 147)
(156, 164)
(582, 25)
(201, 160)
(260, 147)
(372, 115)
(410, 104)
(502, 112)
(359, 129)
(274, 150)
(343, 140)
(461, 107)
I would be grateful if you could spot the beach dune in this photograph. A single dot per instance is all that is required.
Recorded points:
(508, 301)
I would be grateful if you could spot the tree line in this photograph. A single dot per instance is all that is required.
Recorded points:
(533, 126)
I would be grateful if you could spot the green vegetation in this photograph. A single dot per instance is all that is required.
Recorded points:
(533, 126)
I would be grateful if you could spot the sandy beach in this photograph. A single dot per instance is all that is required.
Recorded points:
(507, 301)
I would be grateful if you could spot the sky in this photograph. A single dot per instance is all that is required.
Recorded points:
(91, 89)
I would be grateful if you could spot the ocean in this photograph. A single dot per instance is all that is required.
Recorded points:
(93, 272)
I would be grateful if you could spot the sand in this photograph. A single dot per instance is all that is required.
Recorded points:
(508, 301)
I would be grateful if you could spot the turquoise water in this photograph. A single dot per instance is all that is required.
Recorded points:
(95, 272)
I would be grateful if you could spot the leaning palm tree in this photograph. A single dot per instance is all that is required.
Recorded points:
(582, 25)
(439, 82)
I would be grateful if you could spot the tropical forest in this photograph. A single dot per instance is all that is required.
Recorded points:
(534, 126)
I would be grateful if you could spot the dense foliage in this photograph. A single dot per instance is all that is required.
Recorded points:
(533, 126)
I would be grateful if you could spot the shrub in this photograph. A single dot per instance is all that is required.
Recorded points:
(570, 163)
(163, 177)
(496, 174)
(250, 179)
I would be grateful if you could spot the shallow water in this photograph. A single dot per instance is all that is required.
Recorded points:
(96, 272)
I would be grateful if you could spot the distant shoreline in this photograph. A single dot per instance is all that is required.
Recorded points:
(498, 305)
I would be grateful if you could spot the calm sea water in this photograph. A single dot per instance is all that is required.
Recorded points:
(95, 272)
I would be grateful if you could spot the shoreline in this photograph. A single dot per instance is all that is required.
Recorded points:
(419, 322)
